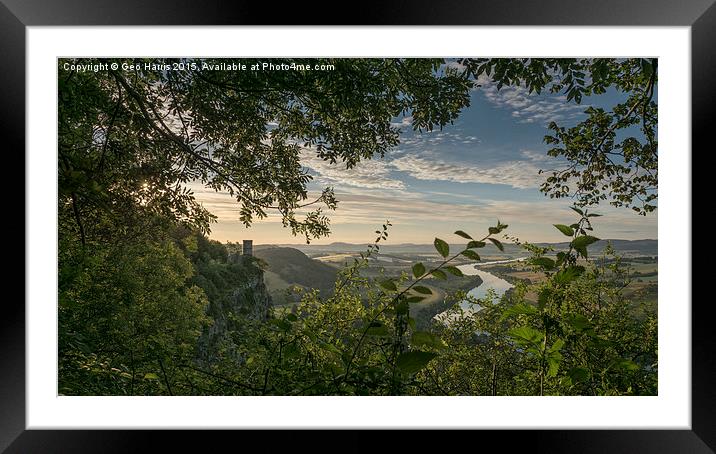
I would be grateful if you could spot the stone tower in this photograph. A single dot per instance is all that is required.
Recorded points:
(248, 247)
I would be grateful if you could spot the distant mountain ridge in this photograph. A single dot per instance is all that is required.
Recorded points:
(642, 247)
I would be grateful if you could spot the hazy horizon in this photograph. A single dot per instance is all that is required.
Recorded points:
(389, 243)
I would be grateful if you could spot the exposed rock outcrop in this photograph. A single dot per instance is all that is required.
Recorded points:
(247, 300)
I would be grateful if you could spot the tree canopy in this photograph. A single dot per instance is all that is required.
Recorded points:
(142, 134)
(132, 138)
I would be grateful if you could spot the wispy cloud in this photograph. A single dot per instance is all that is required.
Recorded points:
(371, 209)
(536, 156)
(389, 173)
(436, 137)
(516, 173)
(529, 107)
(404, 122)
(366, 174)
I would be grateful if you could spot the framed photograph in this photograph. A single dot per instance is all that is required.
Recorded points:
(426, 220)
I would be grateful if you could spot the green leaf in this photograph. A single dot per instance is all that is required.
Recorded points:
(291, 317)
(463, 234)
(283, 325)
(578, 374)
(423, 338)
(646, 67)
(291, 351)
(151, 376)
(544, 262)
(423, 290)
(378, 331)
(455, 271)
(601, 342)
(580, 212)
(418, 270)
(543, 298)
(557, 345)
(475, 244)
(627, 364)
(497, 243)
(388, 284)
(414, 299)
(439, 274)
(567, 230)
(583, 241)
(412, 362)
(560, 257)
(518, 309)
(329, 347)
(442, 247)
(593, 215)
(569, 274)
(577, 321)
(470, 254)
(526, 335)
(402, 308)
(493, 230)
(553, 360)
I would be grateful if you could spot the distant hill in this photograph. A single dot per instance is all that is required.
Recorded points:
(289, 267)
(626, 247)
(631, 247)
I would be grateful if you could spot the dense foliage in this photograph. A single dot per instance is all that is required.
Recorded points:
(581, 338)
(130, 324)
(128, 317)
(142, 290)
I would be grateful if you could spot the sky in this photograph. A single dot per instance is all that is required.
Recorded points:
(482, 168)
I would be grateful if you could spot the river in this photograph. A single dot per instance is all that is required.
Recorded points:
(489, 281)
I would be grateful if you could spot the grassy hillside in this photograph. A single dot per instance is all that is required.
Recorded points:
(288, 267)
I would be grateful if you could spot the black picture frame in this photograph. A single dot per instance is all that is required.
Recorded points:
(16, 15)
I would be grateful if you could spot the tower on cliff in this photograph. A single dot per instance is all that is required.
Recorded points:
(248, 247)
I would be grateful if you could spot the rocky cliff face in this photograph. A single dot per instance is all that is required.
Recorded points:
(246, 300)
